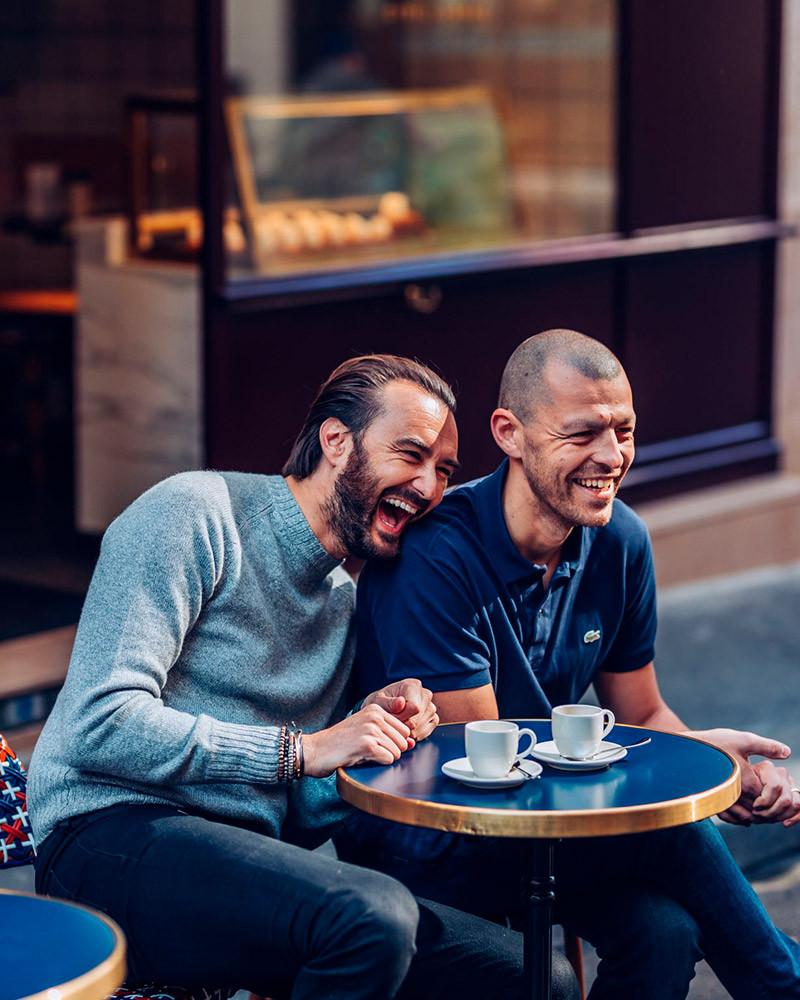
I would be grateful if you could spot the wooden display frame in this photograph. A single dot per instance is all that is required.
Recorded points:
(238, 110)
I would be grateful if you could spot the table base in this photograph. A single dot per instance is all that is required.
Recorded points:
(538, 930)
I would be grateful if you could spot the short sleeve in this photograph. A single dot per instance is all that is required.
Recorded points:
(417, 618)
(634, 644)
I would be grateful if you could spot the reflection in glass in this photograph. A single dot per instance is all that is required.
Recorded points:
(367, 131)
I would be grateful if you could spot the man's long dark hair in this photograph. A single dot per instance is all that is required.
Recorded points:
(353, 394)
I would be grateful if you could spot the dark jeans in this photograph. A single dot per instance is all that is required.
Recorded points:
(204, 903)
(652, 904)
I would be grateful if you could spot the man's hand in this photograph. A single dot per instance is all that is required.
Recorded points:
(779, 801)
(372, 735)
(411, 703)
(767, 794)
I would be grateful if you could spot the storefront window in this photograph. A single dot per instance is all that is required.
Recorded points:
(369, 132)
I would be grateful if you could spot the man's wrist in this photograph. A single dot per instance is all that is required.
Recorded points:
(310, 753)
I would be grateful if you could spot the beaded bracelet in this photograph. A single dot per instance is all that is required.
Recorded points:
(282, 753)
(298, 768)
(291, 762)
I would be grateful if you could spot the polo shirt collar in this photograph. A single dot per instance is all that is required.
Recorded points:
(507, 559)
(574, 551)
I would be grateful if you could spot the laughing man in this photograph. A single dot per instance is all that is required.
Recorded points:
(521, 590)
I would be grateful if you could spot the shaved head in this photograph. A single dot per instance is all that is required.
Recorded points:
(524, 386)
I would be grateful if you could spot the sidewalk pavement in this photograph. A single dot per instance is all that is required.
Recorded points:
(728, 654)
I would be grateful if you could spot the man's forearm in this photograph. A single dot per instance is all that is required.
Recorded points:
(663, 719)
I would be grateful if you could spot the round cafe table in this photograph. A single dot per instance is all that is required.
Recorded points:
(54, 950)
(671, 781)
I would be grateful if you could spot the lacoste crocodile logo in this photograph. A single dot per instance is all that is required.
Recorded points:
(591, 636)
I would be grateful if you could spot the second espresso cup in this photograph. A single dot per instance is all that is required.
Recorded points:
(578, 730)
(493, 747)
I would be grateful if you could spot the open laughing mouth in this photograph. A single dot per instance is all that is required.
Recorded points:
(600, 487)
(394, 513)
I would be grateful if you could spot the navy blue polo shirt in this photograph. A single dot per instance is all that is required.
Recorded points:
(460, 606)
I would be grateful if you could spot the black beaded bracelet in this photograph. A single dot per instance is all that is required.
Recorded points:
(282, 754)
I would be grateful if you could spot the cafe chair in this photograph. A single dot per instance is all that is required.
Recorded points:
(17, 847)
(573, 949)
(16, 837)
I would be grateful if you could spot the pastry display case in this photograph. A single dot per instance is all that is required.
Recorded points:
(431, 175)
(371, 135)
(366, 135)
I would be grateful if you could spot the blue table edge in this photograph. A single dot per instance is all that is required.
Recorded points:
(100, 981)
(488, 821)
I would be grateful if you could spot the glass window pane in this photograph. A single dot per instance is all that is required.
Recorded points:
(367, 132)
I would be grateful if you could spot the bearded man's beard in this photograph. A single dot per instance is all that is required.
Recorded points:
(350, 509)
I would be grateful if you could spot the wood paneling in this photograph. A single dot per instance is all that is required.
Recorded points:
(697, 340)
(265, 367)
(698, 106)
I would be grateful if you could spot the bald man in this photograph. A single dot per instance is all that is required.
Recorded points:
(520, 591)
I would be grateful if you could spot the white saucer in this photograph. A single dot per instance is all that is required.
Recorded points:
(548, 754)
(461, 771)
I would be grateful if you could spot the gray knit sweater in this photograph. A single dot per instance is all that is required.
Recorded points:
(214, 615)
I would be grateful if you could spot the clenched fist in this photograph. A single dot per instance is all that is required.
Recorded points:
(372, 735)
(410, 702)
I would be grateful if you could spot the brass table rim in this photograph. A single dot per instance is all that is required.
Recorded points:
(489, 821)
(100, 981)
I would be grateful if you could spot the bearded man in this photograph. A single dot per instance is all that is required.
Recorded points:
(185, 768)
(521, 590)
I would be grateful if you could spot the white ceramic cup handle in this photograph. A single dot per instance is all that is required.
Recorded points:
(610, 724)
(529, 749)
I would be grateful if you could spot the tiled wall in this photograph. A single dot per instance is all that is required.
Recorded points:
(66, 67)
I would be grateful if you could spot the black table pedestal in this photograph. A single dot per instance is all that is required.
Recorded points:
(539, 920)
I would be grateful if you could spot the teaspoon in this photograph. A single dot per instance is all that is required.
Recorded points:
(624, 746)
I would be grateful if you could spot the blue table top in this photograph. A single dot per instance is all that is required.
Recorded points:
(671, 781)
(48, 943)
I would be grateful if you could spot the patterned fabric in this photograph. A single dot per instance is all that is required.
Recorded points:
(16, 837)
(157, 991)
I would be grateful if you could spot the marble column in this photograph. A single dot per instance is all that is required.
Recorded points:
(138, 373)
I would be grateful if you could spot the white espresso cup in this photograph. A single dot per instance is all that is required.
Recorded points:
(493, 747)
(578, 730)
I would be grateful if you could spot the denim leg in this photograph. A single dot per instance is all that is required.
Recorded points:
(647, 943)
(460, 955)
(692, 865)
(203, 903)
(688, 865)
(479, 875)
